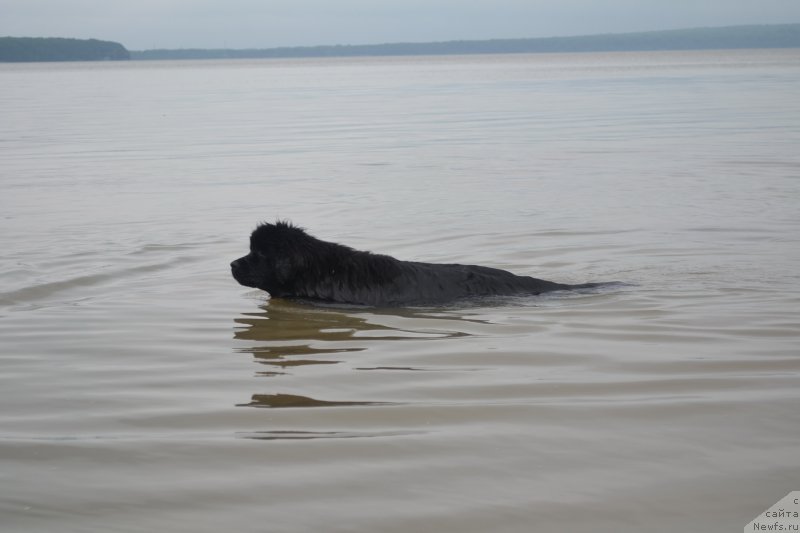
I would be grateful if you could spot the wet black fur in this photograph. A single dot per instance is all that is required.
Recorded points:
(287, 262)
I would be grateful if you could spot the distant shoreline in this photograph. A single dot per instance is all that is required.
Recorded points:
(49, 49)
(35, 49)
(728, 37)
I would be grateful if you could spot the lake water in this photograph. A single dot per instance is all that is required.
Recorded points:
(142, 389)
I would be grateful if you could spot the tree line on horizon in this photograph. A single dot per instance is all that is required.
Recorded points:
(760, 36)
(23, 49)
(730, 37)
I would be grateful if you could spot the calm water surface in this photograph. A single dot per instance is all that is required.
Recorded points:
(142, 389)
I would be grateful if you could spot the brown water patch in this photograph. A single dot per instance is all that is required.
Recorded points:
(293, 400)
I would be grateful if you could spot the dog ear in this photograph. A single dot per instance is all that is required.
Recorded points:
(283, 269)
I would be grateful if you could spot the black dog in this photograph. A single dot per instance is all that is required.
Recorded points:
(287, 262)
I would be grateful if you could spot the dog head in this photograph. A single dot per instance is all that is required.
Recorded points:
(279, 254)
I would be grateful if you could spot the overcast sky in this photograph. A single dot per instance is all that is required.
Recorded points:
(146, 24)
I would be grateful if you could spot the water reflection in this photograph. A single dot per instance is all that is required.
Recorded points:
(283, 356)
(308, 435)
(282, 320)
(288, 335)
(292, 334)
(293, 400)
(403, 368)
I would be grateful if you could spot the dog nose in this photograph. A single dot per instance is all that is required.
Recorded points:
(235, 264)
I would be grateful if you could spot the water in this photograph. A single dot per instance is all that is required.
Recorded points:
(142, 389)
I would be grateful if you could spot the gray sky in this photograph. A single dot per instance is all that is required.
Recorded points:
(145, 24)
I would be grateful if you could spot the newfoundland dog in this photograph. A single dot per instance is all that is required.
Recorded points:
(287, 262)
